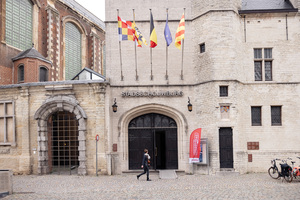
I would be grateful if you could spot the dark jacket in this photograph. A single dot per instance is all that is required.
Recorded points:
(145, 160)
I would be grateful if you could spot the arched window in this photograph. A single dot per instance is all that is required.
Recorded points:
(18, 29)
(21, 73)
(43, 74)
(73, 51)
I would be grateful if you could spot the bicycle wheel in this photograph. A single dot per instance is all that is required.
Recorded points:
(289, 178)
(273, 172)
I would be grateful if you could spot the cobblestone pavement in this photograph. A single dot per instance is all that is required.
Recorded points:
(247, 186)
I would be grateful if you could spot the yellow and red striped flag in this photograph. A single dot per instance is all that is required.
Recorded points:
(180, 33)
(153, 36)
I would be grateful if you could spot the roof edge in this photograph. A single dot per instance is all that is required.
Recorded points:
(268, 11)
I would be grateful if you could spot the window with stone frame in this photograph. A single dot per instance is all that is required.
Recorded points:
(43, 74)
(72, 51)
(18, 23)
(256, 115)
(7, 123)
(276, 115)
(223, 91)
(263, 64)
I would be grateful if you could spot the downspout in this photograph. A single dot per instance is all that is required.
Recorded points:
(245, 30)
(287, 28)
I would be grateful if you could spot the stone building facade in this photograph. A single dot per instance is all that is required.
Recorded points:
(240, 72)
(238, 69)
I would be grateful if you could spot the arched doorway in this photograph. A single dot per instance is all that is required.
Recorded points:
(63, 143)
(157, 133)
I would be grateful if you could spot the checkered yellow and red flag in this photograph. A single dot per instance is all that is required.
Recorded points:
(126, 32)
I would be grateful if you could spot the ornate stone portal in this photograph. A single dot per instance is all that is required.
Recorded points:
(50, 106)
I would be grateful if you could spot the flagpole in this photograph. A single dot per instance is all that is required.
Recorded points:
(151, 77)
(136, 72)
(167, 55)
(182, 50)
(122, 77)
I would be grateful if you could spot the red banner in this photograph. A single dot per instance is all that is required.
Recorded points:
(195, 148)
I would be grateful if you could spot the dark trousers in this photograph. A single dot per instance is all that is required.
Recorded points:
(146, 170)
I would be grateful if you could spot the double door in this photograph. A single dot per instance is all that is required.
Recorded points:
(161, 144)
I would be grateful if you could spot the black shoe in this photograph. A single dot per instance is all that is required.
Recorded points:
(148, 179)
(137, 177)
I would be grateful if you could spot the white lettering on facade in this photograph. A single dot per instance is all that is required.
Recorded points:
(152, 94)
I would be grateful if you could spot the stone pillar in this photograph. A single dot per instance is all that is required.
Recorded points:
(25, 158)
(53, 41)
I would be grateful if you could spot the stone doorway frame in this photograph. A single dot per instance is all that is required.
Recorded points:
(50, 106)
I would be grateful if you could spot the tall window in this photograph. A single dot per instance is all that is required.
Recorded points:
(73, 51)
(18, 29)
(263, 64)
(276, 115)
(43, 74)
(256, 115)
(7, 123)
(21, 73)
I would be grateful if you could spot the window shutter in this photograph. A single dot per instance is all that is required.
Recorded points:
(73, 51)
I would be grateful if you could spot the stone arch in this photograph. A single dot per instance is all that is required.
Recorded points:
(83, 32)
(182, 127)
(50, 106)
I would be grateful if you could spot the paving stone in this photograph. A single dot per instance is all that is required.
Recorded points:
(246, 186)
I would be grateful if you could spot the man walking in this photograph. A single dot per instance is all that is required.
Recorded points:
(145, 165)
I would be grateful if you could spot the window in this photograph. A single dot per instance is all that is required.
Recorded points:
(7, 123)
(223, 91)
(276, 115)
(43, 74)
(202, 48)
(256, 115)
(18, 28)
(73, 51)
(263, 73)
(21, 73)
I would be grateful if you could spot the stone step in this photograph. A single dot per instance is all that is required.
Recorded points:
(227, 172)
(167, 174)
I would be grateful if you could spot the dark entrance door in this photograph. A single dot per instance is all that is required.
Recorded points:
(226, 151)
(158, 134)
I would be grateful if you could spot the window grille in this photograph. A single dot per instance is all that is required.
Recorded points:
(223, 91)
(256, 115)
(276, 115)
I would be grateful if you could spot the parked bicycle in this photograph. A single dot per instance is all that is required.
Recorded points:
(286, 170)
(296, 170)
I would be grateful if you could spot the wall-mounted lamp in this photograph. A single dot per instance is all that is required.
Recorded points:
(115, 107)
(190, 106)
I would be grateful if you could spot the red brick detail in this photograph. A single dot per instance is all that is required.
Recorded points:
(253, 145)
(249, 157)
(115, 147)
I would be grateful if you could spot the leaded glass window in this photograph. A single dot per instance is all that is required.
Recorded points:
(256, 115)
(276, 115)
(18, 29)
(263, 64)
(73, 51)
